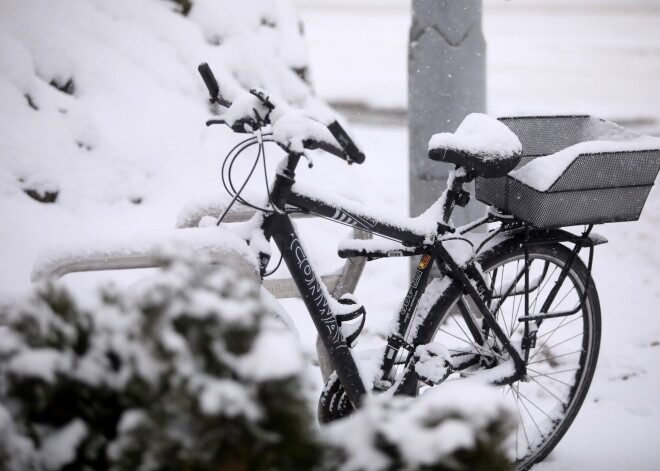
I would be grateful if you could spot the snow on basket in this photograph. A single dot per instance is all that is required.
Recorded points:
(574, 170)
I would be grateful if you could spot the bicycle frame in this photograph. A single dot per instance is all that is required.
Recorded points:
(278, 226)
(466, 280)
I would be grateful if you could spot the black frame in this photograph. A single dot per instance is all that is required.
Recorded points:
(468, 279)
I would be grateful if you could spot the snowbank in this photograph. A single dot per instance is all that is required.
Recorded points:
(104, 99)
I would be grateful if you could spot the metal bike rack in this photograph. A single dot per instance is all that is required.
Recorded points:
(337, 285)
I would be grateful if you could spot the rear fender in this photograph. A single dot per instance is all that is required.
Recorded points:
(518, 237)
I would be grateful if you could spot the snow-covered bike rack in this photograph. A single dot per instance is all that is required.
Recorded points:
(144, 253)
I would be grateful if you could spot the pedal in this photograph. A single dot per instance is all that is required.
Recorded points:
(353, 330)
(432, 363)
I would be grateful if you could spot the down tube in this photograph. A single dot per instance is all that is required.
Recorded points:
(317, 305)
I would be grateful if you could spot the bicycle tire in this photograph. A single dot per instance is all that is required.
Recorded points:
(577, 347)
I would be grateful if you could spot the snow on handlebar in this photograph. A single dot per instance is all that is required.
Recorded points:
(294, 130)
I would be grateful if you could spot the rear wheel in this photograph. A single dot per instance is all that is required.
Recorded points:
(561, 365)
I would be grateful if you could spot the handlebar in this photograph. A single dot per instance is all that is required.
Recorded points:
(212, 85)
(347, 149)
(353, 153)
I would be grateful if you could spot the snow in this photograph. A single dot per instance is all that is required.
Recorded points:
(142, 110)
(543, 172)
(432, 362)
(210, 240)
(378, 244)
(229, 398)
(59, 449)
(423, 225)
(424, 431)
(133, 82)
(481, 135)
(43, 363)
(294, 126)
(432, 293)
(19, 449)
(274, 355)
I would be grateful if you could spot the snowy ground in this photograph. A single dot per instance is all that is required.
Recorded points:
(602, 61)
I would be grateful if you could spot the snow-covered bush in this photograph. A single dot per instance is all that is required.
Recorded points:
(104, 100)
(456, 426)
(187, 370)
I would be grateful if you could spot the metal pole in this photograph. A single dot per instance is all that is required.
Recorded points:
(446, 82)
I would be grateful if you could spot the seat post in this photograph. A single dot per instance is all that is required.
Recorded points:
(455, 194)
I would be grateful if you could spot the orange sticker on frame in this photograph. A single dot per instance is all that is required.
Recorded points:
(424, 261)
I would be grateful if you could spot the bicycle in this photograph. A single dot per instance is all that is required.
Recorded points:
(519, 307)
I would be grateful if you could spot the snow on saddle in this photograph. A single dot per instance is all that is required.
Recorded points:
(481, 144)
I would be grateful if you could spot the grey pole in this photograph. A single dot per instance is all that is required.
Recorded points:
(446, 82)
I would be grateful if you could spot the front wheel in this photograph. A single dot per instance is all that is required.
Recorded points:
(562, 363)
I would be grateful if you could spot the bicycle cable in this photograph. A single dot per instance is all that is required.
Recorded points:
(276, 267)
(236, 195)
(224, 163)
(462, 239)
(227, 180)
(228, 183)
(226, 172)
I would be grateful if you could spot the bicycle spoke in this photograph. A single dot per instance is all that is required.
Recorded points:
(541, 287)
(576, 318)
(517, 314)
(548, 391)
(555, 345)
(522, 423)
(479, 350)
(549, 278)
(521, 300)
(556, 308)
(547, 402)
(513, 299)
(529, 413)
(548, 339)
(554, 357)
(564, 341)
(552, 419)
(544, 375)
(474, 345)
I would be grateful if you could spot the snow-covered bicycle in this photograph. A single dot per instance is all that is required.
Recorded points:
(513, 304)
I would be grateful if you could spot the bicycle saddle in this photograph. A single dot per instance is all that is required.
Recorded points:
(481, 144)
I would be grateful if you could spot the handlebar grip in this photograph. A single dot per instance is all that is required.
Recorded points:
(209, 79)
(352, 151)
(212, 85)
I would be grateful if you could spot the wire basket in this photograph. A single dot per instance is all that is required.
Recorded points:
(595, 188)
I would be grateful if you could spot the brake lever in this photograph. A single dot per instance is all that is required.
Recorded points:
(263, 98)
(243, 126)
